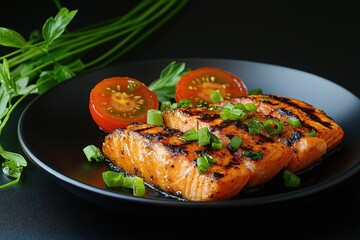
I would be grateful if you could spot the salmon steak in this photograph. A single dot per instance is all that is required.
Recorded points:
(168, 163)
(290, 135)
(275, 155)
(308, 149)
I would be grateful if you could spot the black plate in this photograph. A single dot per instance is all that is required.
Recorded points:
(55, 127)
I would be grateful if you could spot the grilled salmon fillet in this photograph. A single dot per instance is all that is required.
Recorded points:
(167, 162)
(275, 155)
(307, 150)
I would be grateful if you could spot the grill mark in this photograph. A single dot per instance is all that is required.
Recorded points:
(176, 149)
(308, 111)
(232, 163)
(217, 175)
(206, 117)
(296, 136)
(220, 126)
(165, 132)
(284, 112)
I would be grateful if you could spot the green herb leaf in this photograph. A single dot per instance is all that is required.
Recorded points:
(165, 85)
(11, 38)
(11, 156)
(4, 99)
(5, 77)
(54, 27)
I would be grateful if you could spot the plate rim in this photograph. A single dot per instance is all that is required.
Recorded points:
(280, 197)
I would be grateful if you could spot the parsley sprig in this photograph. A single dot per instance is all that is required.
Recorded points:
(54, 54)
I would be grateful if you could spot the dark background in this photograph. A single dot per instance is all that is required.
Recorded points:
(320, 39)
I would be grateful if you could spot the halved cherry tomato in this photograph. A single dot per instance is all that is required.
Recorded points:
(198, 84)
(118, 101)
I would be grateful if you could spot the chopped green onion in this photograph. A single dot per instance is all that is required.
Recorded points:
(118, 179)
(240, 106)
(113, 179)
(216, 143)
(165, 105)
(93, 152)
(312, 134)
(253, 155)
(202, 164)
(181, 103)
(139, 190)
(254, 126)
(210, 159)
(216, 96)
(203, 136)
(190, 135)
(273, 126)
(138, 186)
(291, 180)
(224, 113)
(250, 107)
(154, 116)
(231, 112)
(128, 182)
(236, 142)
(133, 85)
(229, 106)
(293, 121)
(235, 114)
(255, 91)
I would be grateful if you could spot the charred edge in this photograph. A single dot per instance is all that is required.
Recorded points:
(217, 175)
(309, 111)
(176, 149)
(206, 117)
(220, 126)
(285, 112)
(296, 136)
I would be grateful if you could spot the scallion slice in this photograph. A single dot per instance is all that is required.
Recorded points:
(203, 136)
(293, 121)
(113, 179)
(154, 116)
(290, 179)
(216, 97)
(273, 126)
(216, 143)
(165, 105)
(133, 85)
(250, 107)
(92, 152)
(190, 135)
(236, 142)
(138, 186)
(202, 164)
(254, 126)
(210, 159)
(181, 103)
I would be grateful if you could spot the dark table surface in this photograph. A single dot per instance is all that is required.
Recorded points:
(323, 40)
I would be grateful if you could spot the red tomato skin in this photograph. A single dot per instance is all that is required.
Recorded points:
(236, 87)
(108, 122)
